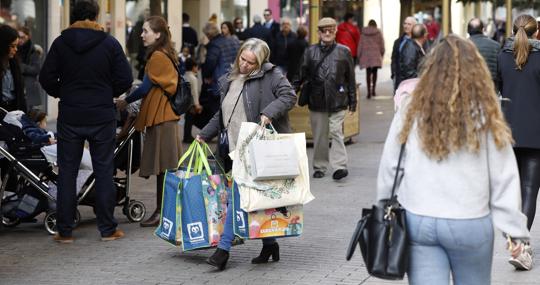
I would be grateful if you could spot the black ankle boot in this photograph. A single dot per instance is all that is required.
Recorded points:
(219, 259)
(266, 252)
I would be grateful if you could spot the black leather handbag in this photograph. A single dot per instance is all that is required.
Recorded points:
(181, 101)
(382, 236)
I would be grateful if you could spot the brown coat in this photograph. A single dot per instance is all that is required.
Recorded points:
(155, 106)
(371, 48)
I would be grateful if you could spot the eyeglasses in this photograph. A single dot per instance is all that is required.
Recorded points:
(266, 14)
(327, 30)
(12, 46)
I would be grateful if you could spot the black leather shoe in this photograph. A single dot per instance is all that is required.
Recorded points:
(318, 174)
(340, 173)
(266, 252)
(153, 221)
(219, 259)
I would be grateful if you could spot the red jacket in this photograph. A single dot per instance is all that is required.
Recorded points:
(348, 35)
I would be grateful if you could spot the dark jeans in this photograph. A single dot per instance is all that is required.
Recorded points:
(71, 140)
(528, 161)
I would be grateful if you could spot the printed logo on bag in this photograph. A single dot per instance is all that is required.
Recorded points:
(196, 233)
(167, 227)
(240, 220)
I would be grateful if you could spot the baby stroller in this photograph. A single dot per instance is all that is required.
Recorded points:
(28, 180)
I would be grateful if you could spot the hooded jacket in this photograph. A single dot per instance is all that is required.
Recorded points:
(85, 68)
(520, 90)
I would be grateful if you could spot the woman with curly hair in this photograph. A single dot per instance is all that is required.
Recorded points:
(460, 174)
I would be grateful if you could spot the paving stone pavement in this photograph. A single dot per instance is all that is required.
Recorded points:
(29, 256)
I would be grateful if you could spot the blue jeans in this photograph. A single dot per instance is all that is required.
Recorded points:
(225, 242)
(438, 247)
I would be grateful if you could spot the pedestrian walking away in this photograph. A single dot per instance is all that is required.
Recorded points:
(370, 54)
(328, 69)
(253, 91)
(459, 181)
(162, 143)
(412, 54)
(488, 48)
(519, 83)
(86, 68)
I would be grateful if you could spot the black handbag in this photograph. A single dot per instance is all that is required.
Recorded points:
(303, 99)
(223, 140)
(181, 101)
(382, 236)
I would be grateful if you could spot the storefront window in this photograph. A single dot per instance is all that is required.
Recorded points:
(297, 11)
(337, 9)
(26, 13)
(230, 9)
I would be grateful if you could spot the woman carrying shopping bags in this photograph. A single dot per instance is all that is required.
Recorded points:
(162, 142)
(253, 91)
(460, 174)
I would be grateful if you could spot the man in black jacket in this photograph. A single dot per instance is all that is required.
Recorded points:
(329, 70)
(488, 48)
(408, 24)
(86, 68)
(412, 54)
(189, 35)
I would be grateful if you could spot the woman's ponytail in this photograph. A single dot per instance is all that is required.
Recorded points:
(524, 27)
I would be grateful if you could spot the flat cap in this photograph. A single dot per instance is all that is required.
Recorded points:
(327, 22)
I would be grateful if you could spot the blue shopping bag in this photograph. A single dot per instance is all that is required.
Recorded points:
(168, 228)
(240, 218)
(193, 215)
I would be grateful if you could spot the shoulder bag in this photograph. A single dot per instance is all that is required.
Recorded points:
(303, 99)
(181, 101)
(382, 236)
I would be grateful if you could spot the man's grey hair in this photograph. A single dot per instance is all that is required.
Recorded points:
(257, 19)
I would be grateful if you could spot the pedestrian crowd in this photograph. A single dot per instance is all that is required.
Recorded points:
(464, 108)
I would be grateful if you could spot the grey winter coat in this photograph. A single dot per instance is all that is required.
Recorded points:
(267, 92)
(489, 49)
(332, 86)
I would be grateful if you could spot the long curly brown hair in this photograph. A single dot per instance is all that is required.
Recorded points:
(454, 102)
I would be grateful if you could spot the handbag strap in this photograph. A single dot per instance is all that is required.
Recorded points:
(322, 60)
(232, 112)
(393, 198)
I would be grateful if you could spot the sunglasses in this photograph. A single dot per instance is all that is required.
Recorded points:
(327, 30)
(266, 14)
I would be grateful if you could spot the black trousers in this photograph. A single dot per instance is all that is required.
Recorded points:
(528, 160)
(101, 139)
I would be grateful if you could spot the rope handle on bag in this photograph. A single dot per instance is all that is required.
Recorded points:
(195, 151)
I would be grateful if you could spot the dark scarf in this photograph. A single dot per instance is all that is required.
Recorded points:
(25, 51)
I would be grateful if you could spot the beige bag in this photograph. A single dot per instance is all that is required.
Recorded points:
(260, 195)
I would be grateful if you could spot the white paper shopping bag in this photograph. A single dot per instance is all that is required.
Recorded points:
(273, 159)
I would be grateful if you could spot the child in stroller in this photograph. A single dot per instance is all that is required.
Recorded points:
(30, 178)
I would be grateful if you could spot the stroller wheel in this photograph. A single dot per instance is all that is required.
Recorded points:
(136, 211)
(10, 222)
(50, 221)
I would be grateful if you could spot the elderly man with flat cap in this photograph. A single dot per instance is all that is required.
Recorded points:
(327, 78)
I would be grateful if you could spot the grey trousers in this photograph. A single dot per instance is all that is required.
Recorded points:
(323, 126)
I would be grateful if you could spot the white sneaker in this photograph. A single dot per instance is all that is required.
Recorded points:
(524, 261)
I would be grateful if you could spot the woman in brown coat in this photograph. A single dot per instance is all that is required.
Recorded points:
(162, 142)
(370, 53)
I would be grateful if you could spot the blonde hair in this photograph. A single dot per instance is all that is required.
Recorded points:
(454, 103)
(258, 47)
(524, 28)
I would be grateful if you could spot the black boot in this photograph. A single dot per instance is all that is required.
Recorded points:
(219, 258)
(266, 252)
(153, 221)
